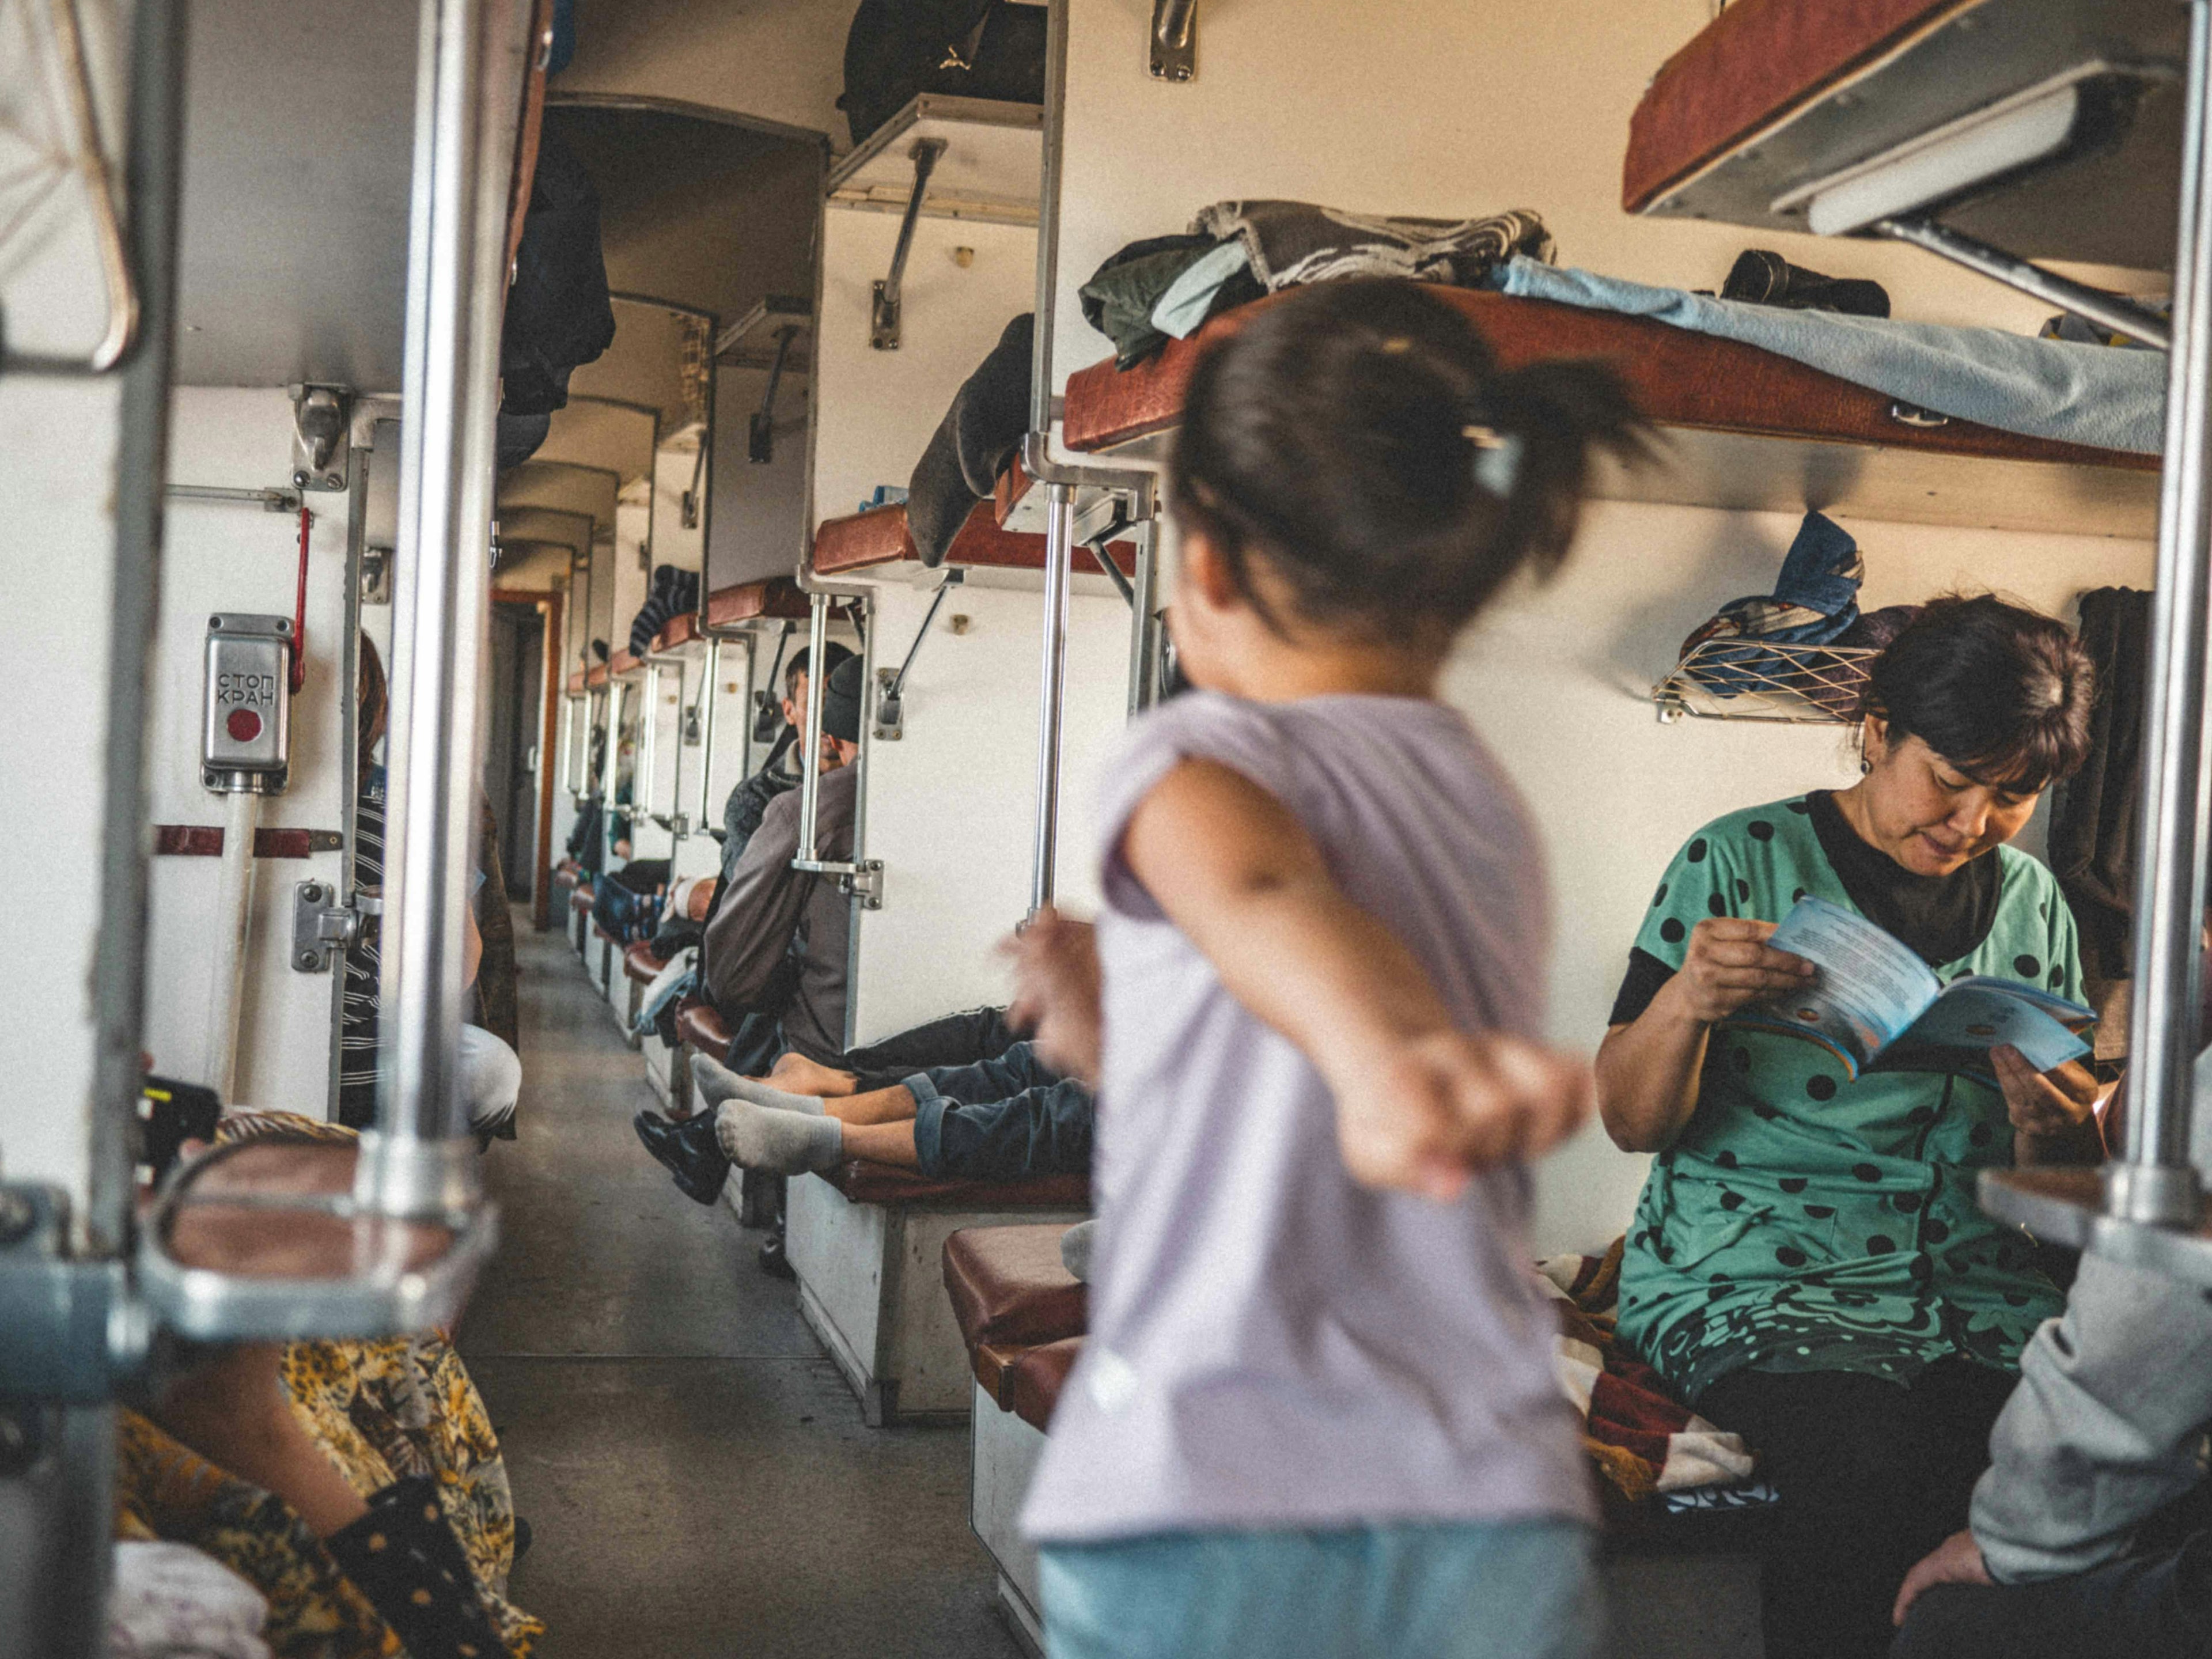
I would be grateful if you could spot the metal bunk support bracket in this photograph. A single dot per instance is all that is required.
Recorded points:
(656, 667)
(1173, 44)
(2149, 1207)
(883, 328)
(321, 421)
(861, 878)
(760, 430)
(891, 688)
(1994, 262)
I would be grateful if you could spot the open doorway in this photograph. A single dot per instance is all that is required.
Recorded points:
(512, 747)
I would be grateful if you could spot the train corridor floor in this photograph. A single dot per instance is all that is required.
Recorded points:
(694, 1471)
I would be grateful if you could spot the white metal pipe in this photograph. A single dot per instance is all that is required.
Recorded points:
(1059, 556)
(709, 694)
(1143, 676)
(2155, 1184)
(469, 82)
(233, 932)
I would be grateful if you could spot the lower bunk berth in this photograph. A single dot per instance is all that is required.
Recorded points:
(1685, 1528)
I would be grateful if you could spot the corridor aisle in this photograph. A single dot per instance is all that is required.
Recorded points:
(694, 1471)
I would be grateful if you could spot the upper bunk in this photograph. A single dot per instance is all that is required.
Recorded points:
(776, 599)
(2050, 128)
(1746, 429)
(877, 540)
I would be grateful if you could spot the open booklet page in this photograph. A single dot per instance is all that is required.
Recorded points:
(1877, 1005)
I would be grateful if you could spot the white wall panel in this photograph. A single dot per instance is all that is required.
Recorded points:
(951, 806)
(228, 557)
(880, 408)
(56, 574)
(758, 524)
(774, 60)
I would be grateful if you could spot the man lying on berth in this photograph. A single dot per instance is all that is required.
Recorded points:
(998, 1114)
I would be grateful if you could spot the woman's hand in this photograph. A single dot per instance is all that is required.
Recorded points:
(1445, 1105)
(1956, 1560)
(1056, 991)
(2052, 1113)
(1730, 964)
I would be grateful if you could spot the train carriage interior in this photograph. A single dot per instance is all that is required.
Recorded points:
(826, 823)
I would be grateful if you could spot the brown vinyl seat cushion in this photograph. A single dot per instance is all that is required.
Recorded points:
(1009, 1288)
(883, 1183)
(640, 965)
(581, 901)
(602, 934)
(1030, 1383)
(702, 1026)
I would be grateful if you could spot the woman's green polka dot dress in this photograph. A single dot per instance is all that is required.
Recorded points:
(1805, 1222)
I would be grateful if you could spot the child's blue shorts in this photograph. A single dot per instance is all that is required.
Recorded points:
(1518, 1589)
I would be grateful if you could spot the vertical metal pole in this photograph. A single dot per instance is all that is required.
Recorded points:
(810, 763)
(709, 694)
(648, 744)
(2155, 1184)
(1047, 277)
(1059, 556)
(468, 100)
(1143, 676)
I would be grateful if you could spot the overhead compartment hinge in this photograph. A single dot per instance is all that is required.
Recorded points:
(1174, 39)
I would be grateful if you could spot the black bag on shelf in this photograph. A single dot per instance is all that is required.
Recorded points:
(899, 49)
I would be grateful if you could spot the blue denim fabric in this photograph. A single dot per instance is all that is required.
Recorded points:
(1518, 1589)
(2154, 1607)
(1004, 1119)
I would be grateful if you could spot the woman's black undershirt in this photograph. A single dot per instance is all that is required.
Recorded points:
(1939, 918)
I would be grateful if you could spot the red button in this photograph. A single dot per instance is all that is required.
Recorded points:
(244, 725)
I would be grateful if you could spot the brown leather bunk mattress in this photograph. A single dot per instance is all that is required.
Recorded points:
(864, 540)
(1744, 428)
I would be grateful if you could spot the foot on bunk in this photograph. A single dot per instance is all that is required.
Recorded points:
(1075, 1249)
(689, 1150)
(757, 1137)
(718, 1083)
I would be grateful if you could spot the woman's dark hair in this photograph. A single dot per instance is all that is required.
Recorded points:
(2001, 692)
(1361, 439)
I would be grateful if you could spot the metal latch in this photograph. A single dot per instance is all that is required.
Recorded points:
(863, 881)
(321, 929)
(321, 421)
(1174, 40)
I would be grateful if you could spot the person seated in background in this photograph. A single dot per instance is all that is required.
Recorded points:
(774, 961)
(1008, 1118)
(491, 1075)
(749, 802)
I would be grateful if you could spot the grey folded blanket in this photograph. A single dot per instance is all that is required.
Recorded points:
(1296, 243)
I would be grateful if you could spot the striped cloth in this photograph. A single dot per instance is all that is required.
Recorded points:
(1294, 242)
(364, 960)
(1642, 1439)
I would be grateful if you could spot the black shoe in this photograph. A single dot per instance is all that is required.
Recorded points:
(772, 1258)
(689, 1150)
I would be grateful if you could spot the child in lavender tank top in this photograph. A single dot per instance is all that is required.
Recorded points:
(1315, 1413)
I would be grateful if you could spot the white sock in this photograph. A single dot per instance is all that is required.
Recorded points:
(718, 1083)
(757, 1137)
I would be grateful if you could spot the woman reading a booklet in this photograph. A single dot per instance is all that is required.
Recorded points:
(1807, 1265)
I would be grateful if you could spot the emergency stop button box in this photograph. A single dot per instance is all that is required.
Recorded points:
(246, 737)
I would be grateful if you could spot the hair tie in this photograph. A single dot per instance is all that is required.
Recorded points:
(1497, 458)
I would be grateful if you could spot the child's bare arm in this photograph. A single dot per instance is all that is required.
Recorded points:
(1420, 1104)
(1056, 991)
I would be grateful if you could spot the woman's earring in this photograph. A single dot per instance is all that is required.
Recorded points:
(1865, 766)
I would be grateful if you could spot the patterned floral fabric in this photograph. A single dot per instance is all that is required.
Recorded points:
(1804, 1221)
(384, 1412)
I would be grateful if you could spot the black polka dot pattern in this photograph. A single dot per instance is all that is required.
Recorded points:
(1820, 1088)
(1908, 1203)
(2026, 967)
(1794, 1184)
(1717, 905)
(1659, 897)
(1865, 1172)
(1934, 1230)
(1730, 1201)
(1820, 1211)
(1789, 1256)
(1760, 829)
(1725, 1158)
(1801, 807)
(1672, 931)
(1797, 895)
(1697, 851)
(1881, 1244)
(1742, 891)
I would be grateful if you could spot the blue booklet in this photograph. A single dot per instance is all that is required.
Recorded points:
(1877, 1007)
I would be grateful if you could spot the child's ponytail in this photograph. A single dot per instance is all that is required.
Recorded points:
(1360, 437)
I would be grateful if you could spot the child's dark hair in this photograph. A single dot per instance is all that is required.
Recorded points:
(2001, 692)
(1360, 438)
